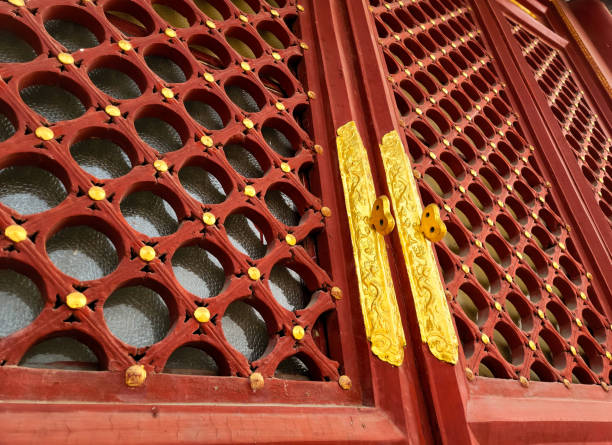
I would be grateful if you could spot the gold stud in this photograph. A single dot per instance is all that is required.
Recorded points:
(209, 77)
(519, 255)
(303, 45)
(211, 24)
(478, 243)
(469, 374)
(446, 142)
(566, 383)
(498, 306)
(541, 314)
(112, 111)
(465, 268)
(248, 123)
(276, 56)
(298, 332)
(76, 300)
(15, 233)
(44, 133)
(65, 58)
(245, 66)
(135, 375)
(96, 193)
(582, 295)
(524, 382)
(336, 292)
(548, 288)
(243, 18)
(311, 95)
(418, 111)
(249, 190)
(147, 253)
(527, 234)
(490, 222)
(167, 93)
(16, 2)
(256, 381)
(124, 45)
(202, 314)
(285, 167)
(170, 32)
(608, 355)
(160, 165)
(589, 276)
(206, 141)
(579, 322)
(290, 239)
(573, 350)
(532, 345)
(508, 278)
(318, 149)
(555, 265)
(274, 13)
(326, 211)
(462, 189)
(208, 218)
(448, 208)
(279, 106)
(432, 155)
(300, 8)
(485, 339)
(345, 382)
(254, 273)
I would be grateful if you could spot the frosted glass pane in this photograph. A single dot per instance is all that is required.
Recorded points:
(29, 189)
(242, 98)
(204, 114)
(245, 236)
(166, 69)
(72, 35)
(53, 103)
(13, 49)
(149, 214)
(198, 271)
(20, 302)
(288, 288)
(243, 161)
(61, 353)
(245, 330)
(101, 158)
(190, 360)
(292, 368)
(114, 83)
(202, 185)
(282, 207)
(159, 134)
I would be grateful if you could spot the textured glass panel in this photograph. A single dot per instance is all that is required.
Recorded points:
(202, 185)
(158, 134)
(288, 288)
(166, 69)
(137, 315)
(189, 360)
(204, 114)
(114, 83)
(208, 9)
(245, 236)
(292, 368)
(243, 161)
(278, 141)
(53, 103)
(101, 158)
(282, 207)
(13, 49)
(7, 129)
(245, 330)
(242, 98)
(198, 271)
(60, 353)
(149, 214)
(20, 302)
(72, 35)
(29, 189)
(82, 252)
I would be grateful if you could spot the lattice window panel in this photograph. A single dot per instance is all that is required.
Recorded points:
(522, 303)
(571, 105)
(202, 160)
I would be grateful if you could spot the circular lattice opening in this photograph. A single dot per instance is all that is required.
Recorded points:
(282, 207)
(168, 63)
(149, 213)
(101, 157)
(73, 27)
(62, 353)
(28, 189)
(198, 270)
(202, 184)
(288, 288)
(207, 109)
(18, 43)
(246, 158)
(191, 360)
(54, 100)
(161, 129)
(21, 301)
(245, 329)
(117, 77)
(245, 235)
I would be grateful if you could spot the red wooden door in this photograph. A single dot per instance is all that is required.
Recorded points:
(174, 202)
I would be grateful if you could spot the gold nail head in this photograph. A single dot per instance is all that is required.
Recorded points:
(209, 219)
(209, 77)
(548, 288)
(583, 295)
(76, 300)
(298, 332)
(96, 193)
(485, 339)
(490, 222)
(248, 123)
(311, 95)
(254, 273)
(589, 276)
(508, 278)
(249, 190)
(170, 32)
(418, 111)
(462, 189)
(65, 58)
(465, 269)
(336, 292)
(274, 13)
(303, 45)
(135, 375)
(498, 306)
(524, 382)
(541, 314)
(519, 255)
(44, 133)
(202, 314)
(608, 355)
(318, 149)
(532, 345)
(345, 382)
(124, 45)
(300, 8)
(285, 167)
(16, 2)
(432, 155)
(211, 24)
(279, 106)
(276, 56)
(15, 233)
(555, 265)
(469, 374)
(604, 386)
(478, 243)
(290, 239)
(167, 93)
(112, 111)
(256, 381)
(243, 18)
(147, 253)
(245, 66)
(573, 350)
(566, 383)
(579, 322)
(326, 211)
(206, 141)
(160, 165)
